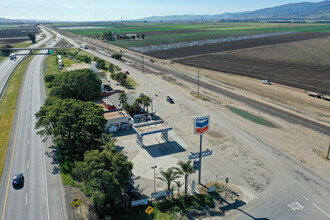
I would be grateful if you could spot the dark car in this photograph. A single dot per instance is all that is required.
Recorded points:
(18, 180)
(127, 72)
(169, 99)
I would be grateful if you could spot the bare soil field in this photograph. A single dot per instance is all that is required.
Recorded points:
(304, 76)
(16, 33)
(234, 45)
(314, 51)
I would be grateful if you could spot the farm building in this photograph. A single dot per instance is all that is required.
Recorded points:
(118, 119)
(131, 35)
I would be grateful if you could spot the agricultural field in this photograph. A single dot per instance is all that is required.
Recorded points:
(291, 54)
(12, 34)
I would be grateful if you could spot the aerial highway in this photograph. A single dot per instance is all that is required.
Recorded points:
(40, 197)
(7, 66)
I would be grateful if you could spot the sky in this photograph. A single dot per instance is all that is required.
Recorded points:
(112, 10)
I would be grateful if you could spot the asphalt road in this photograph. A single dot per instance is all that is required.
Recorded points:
(41, 197)
(296, 191)
(7, 66)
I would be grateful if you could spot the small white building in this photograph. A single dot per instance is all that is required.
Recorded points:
(117, 120)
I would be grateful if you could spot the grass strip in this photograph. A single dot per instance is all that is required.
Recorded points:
(8, 109)
(200, 96)
(51, 68)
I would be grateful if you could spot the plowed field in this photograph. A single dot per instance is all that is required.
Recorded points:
(305, 76)
(234, 45)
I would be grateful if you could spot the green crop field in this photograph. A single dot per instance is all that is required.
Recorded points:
(164, 33)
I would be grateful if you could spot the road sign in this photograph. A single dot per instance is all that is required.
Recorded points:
(140, 202)
(76, 202)
(196, 155)
(149, 210)
(211, 189)
(201, 125)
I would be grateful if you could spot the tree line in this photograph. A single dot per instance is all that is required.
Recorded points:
(84, 150)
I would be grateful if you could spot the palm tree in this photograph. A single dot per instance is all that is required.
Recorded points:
(106, 141)
(178, 185)
(168, 177)
(122, 98)
(146, 101)
(185, 169)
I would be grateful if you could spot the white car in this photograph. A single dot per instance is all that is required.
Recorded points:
(266, 82)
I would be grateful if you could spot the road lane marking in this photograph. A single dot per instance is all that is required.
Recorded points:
(303, 196)
(321, 210)
(29, 141)
(12, 155)
(26, 199)
(29, 125)
(296, 206)
(27, 164)
(242, 211)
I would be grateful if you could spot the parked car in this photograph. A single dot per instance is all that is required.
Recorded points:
(18, 180)
(169, 99)
(127, 72)
(266, 82)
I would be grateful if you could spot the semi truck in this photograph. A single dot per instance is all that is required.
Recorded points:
(13, 56)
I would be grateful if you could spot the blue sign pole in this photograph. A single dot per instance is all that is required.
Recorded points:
(200, 160)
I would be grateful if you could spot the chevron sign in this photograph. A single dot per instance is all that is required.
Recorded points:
(201, 124)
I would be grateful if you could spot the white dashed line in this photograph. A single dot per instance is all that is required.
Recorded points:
(321, 210)
(304, 196)
(26, 199)
(27, 164)
(28, 141)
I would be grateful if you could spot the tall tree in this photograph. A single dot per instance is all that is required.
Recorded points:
(74, 125)
(146, 101)
(168, 177)
(104, 174)
(32, 37)
(178, 185)
(122, 98)
(78, 84)
(185, 169)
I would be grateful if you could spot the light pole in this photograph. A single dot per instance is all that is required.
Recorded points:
(154, 168)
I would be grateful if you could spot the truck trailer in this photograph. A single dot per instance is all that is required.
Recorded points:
(12, 56)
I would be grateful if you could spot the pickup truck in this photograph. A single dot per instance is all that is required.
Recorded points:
(170, 100)
(266, 82)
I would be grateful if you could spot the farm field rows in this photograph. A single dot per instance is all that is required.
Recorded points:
(308, 76)
(233, 45)
(180, 32)
(268, 56)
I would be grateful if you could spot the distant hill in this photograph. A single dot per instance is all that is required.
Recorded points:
(294, 11)
(16, 21)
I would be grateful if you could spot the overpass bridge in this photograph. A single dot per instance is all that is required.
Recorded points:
(31, 49)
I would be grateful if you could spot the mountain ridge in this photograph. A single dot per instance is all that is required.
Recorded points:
(291, 11)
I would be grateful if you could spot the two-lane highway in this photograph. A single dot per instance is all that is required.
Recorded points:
(26, 153)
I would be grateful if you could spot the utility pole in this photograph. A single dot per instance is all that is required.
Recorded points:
(198, 85)
(200, 160)
(154, 168)
(143, 64)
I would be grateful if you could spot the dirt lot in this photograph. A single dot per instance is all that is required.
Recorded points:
(234, 45)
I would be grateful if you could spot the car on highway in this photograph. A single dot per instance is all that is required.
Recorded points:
(266, 82)
(18, 180)
(169, 99)
(127, 72)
